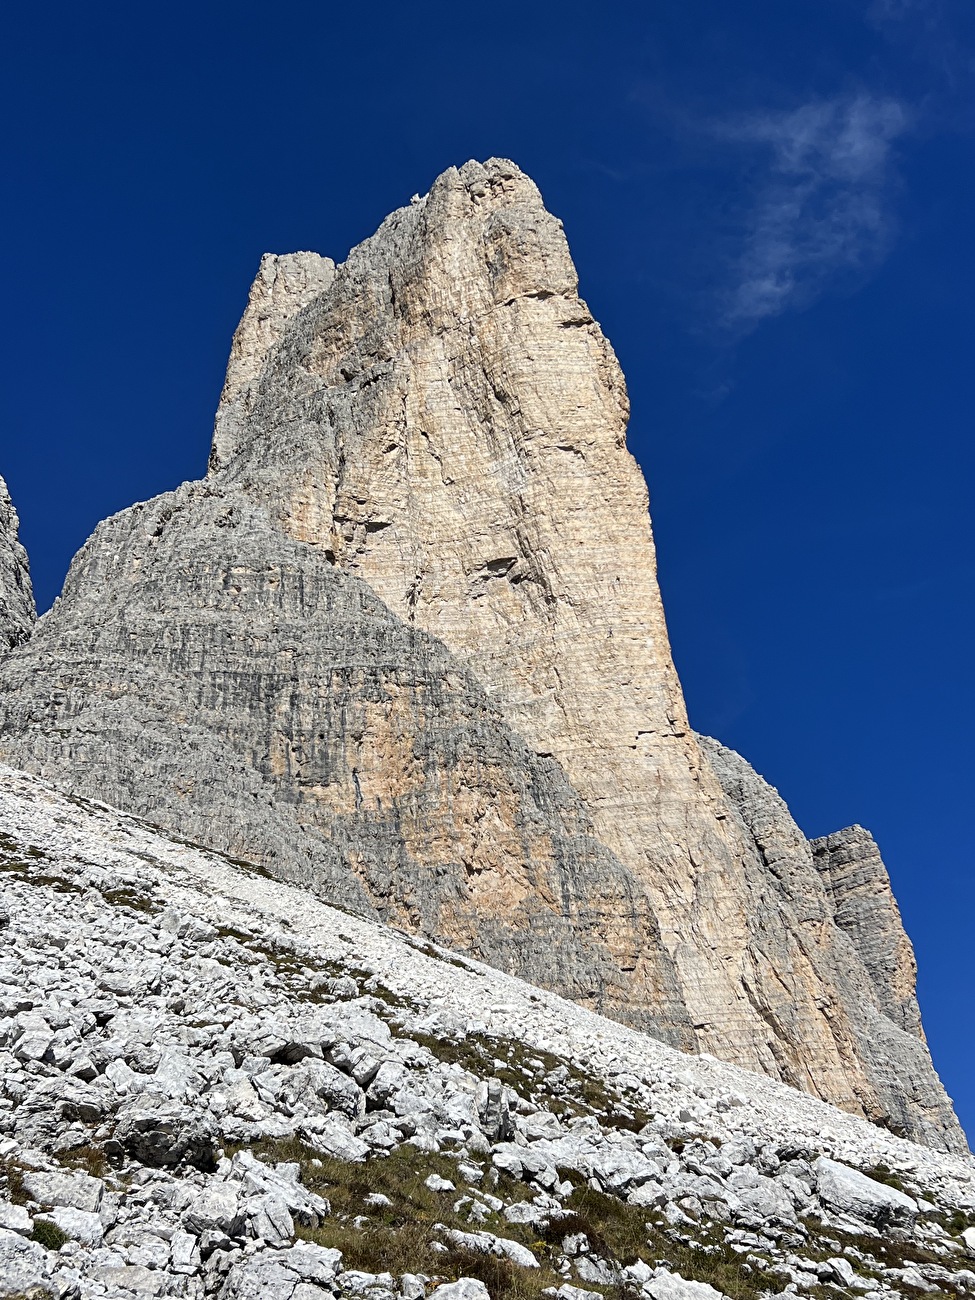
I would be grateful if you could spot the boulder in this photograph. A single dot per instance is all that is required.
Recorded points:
(318, 1264)
(79, 1191)
(79, 1225)
(259, 1277)
(850, 1192)
(389, 1078)
(170, 1135)
(24, 1264)
(177, 1076)
(14, 1218)
(465, 1288)
(336, 1139)
(217, 1207)
(493, 1111)
(281, 1182)
(486, 1243)
(665, 1285)
(318, 1086)
(267, 1216)
(357, 1062)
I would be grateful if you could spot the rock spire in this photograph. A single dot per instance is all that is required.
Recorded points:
(405, 644)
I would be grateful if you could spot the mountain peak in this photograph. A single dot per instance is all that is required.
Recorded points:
(405, 645)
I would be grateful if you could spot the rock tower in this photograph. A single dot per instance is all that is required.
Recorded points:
(405, 645)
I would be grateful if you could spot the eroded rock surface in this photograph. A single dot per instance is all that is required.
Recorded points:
(232, 682)
(866, 911)
(214, 1085)
(406, 645)
(17, 613)
(836, 915)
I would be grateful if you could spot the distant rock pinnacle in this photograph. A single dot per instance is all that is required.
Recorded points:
(17, 612)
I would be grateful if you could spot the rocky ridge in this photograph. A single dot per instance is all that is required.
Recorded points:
(216, 1086)
(17, 612)
(840, 884)
(405, 645)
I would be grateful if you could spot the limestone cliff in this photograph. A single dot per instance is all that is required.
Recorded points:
(210, 673)
(865, 910)
(406, 645)
(847, 927)
(16, 596)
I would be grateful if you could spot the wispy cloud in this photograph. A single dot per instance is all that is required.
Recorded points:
(930, 33)
(821, 200)
(894, 11)
(933, 14)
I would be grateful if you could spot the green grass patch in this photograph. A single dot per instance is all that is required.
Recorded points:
(400, 1176)
(879, 1252)
(399, 1237)
(958, 1220)
(28, 875)
(48, 1234)
(882, 1174)
(622, 1233)
(88, 1158)
(125, 896)
(12, 1181)
(525, 1070)
(519, 1066)
(10, 848)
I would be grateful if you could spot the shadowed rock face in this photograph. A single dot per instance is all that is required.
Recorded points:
(210, 673)
(865, 909)
(406, 645)
(17, 613)
(846, 928)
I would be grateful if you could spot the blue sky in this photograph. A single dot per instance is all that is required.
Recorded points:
(770, 205)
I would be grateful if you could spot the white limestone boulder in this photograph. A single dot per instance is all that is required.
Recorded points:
(853, 1193)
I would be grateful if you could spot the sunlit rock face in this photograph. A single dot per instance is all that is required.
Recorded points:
(16, 596)
(838, 916)
(405, 644)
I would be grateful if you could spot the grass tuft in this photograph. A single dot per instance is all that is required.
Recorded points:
(89, 1158)
(12, 1182)
(400, 1237)
(48, 1234)
(621, 1232)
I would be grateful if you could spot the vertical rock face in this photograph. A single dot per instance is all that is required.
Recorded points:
(447, 421)
(866, 911)
(826, 906)
(17, 612)
(406, 644)
(213, 674)
(283, 286)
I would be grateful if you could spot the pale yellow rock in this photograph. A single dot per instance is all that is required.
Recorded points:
(440, 423)
(449, 423)
(479, 480)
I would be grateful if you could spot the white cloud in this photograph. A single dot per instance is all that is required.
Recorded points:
(821, 203)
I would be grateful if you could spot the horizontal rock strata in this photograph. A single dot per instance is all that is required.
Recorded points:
(206, 671)
(214, 1085)
(406, 645)
(848, 929)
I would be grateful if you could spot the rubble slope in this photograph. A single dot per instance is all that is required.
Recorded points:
(215, 1085)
